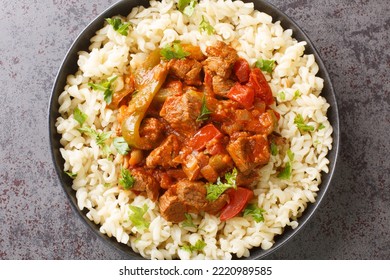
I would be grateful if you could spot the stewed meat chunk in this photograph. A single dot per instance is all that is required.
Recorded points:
(171, 207)
(181, 112)
(165, 154)
(187, 70)
(145, 183)
(249, 152)
(220, 60)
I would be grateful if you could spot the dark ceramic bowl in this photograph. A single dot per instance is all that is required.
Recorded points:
(69, 66)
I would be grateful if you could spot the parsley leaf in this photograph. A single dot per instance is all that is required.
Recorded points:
(199, 246)
(255, 212)
(121, 145)
(79, 116)
(204, 111)
(189, 10)
(282, 96)
(205, 26)
(274, 149)
(175, 51)
(181, 4)
(100, 138)
(126, 180)
(187, 7)
(297, 94)
(104, 86)
(321, 126)
(121, 28)
(137, 217)
(285, 174)
(290, 155)
(188, 221)
(265, 65)
(215, 190)
(300, 122)
(70, 174)
(316, 143)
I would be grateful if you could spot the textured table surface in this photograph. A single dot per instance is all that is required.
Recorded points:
(352, 37)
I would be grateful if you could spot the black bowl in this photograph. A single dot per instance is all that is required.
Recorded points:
(69, 66)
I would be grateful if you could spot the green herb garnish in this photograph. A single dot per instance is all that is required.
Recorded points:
(265, 65)
(282, 96)
(285, 174)
(100, 138)
(321, 126)
(300, 123)
(199, 246)
(215, 190)
(274, 149)
(205, 26)
(316, 143)
(187, 7)
(188, 221)
(70, 174)
(79, 116)
(297, 94)
(137, 217)
(119, 26)
(104, 86)
(126, 180)
(175, 51)
(255, 212)
(121, 145)
(204, 111)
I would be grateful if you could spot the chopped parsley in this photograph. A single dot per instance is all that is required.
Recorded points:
(119, 26)
(79, 116)
(274, 149)
(300, 123)
(290, 155)
(188, 221)
(174, 51)
(100, 138)
(204, 111)
(285, 174)
(321, 126)
(70, 174)
(205, 26)
(215, 190)
(105, 87)
(126, 180)
(137, 217)
(316, 143)
(255, 212)
(121, 145)
(282, 96)
(265, 65)
(199, 246)
(187, 7)
(297, 94)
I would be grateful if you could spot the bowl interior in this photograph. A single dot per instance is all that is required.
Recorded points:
(69, 66)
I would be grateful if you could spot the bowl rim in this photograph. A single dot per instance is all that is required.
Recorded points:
(123, 7)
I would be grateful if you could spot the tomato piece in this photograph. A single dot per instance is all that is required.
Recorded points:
(238, 200)
(242, 70)
(243, 94)
(215, 148)
(203, 136)
(260, 85)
